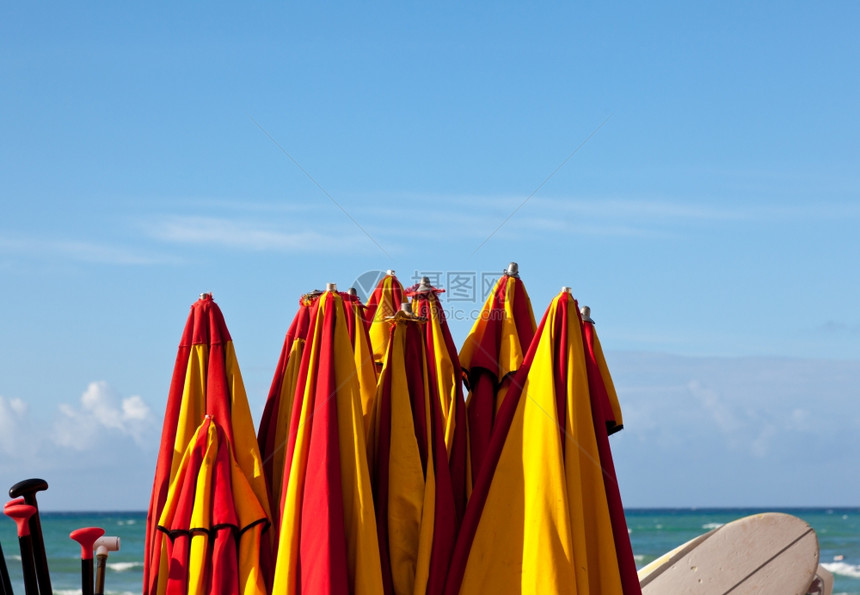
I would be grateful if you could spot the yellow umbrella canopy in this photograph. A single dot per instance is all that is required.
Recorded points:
(413, 494)
(328, 538)
(206, 380)
(365, 367)
(539, 519)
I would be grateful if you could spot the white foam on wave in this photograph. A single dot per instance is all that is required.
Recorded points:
(843, 568)
(124, 566)
(67, 592)
(127, 522)
(709, 526)
(639, 557)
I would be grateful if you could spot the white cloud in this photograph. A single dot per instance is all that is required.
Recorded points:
(257, 235)
(78, 250)
(99, 416)
(12, 420)
(736, 431)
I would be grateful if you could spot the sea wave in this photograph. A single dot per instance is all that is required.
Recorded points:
(843, 568)
(709, 526)
(124, 566)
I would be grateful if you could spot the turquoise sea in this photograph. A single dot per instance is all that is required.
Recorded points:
(652, 533)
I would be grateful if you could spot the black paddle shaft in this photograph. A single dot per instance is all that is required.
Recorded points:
(31, 584)
(27, 489)
(5, 583)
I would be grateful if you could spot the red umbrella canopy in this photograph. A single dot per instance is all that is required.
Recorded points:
(540, 519)
(491, 353)
(213, 521)
(328, 539)
(382, 304)
(206, 381)
(275, 422)
(446, 377)
(413, 495)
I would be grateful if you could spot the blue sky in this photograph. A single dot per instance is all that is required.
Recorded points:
(689, 170)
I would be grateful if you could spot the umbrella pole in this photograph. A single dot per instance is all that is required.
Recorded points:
(102, 546)
(87, 536)
(27, 489)
(5, 583)
(21, 513)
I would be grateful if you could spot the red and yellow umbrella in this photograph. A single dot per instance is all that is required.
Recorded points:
(328, 538)
(414, 499)
(381, 306)
(275, 422)
(212, 521)
(446, 377)
(491, 353)
(206, 381)
(606, 412)
(539, 519)
(363, 352)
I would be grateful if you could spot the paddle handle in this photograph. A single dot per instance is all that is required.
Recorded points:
(28, 489)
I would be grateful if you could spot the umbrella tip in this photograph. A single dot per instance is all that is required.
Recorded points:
(513, 270)
(586, 314)
(390, 272)
(206, 295)
(331, 286)
(352, 291)
(566, 289)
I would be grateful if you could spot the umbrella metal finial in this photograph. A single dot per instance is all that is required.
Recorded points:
(331, 287)
(513, 270)
(566, 289)
(405, 307)
(424, 286)
(352, 291)
(586, 314)
(206, 295)
(390, 272)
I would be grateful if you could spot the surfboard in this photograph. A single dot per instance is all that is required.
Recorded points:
(763, 553)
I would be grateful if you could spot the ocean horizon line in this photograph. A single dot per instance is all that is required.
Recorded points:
(707, 508)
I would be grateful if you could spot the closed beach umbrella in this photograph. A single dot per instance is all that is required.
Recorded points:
(492, 352)
(604, 389)
(212, 521)
(328, 538)
(206, 380)
(539, 520)
(382, 304)
(275, 421)
(606, 412)
(365, 366)
(446, 378)
(413, 495)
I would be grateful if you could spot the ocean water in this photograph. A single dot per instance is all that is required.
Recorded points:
(653, 532)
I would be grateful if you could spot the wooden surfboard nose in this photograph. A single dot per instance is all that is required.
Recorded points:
(762, 553)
